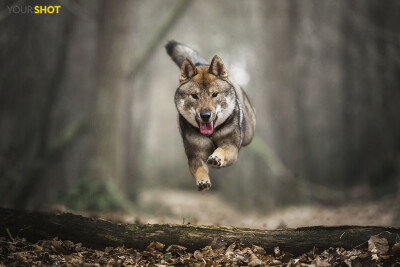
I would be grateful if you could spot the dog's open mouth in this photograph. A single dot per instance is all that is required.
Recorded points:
(207, 128)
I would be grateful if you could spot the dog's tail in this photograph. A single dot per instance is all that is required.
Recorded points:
(179, 52)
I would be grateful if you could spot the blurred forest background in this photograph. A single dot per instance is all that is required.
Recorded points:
(87, 118)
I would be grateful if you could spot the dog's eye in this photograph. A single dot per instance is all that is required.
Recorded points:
(214, 94)
(194, 96)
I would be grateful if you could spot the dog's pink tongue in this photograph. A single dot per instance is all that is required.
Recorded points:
(206, 127)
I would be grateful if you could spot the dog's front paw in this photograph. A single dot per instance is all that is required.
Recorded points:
(215, 161)
(203, 185)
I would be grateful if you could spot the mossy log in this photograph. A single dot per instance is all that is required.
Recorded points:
(98, 234)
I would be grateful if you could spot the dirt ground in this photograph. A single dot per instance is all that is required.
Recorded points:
(177, 206)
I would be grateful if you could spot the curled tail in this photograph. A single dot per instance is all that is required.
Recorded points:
(179, 52)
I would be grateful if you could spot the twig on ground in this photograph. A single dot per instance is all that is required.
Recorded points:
(10, 235)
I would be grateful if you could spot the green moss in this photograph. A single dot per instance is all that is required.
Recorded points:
(96, 195)
(131, 227)
(112, 238)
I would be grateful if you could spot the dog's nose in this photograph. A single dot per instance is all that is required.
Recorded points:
(205, 115)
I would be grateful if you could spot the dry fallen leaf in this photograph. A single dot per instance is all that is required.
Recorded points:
(277, 251)
(175, 248)
(254, 261)
(230, 249)
(198, 255)
(379, 243)
(208, 251)
(258, 250)
(396, 250)
(320, 263)
(155, 245)
(108, 249)
(286, 257)
(99, 254)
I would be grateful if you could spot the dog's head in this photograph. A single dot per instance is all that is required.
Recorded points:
(205, 97)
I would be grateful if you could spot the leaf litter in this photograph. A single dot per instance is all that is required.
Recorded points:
(56, 252)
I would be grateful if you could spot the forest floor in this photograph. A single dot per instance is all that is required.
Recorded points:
(55, 252)
(178, 206)
(182, 207)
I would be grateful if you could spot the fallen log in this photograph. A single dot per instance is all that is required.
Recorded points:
(98, 234)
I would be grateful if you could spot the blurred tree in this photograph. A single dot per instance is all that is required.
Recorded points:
(113, 64)
(61, 73)
(31, 80)
(333, 69)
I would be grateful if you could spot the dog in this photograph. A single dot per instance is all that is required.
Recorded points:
(215, 115)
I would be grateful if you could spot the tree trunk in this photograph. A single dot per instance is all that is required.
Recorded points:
(98, 234)
(108, 124)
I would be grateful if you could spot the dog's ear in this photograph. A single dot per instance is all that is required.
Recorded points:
(188, 70)
(217, 67)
